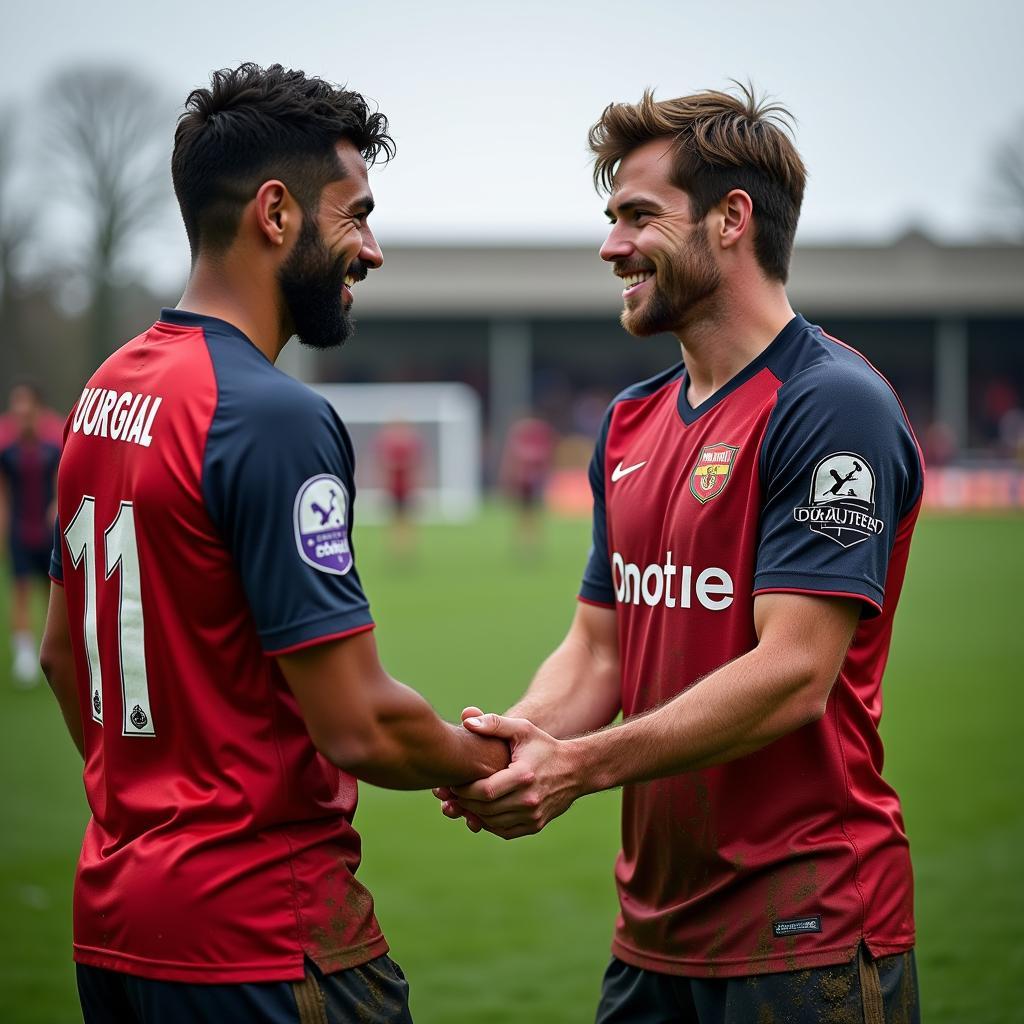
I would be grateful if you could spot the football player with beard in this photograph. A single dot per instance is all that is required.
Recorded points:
(753, 509)
(208, 638)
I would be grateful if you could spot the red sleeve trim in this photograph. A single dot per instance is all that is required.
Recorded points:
(596, 604)
(819, 593)
(60, 583)
(320, 640)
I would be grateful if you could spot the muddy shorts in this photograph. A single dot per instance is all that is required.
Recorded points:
(374, 993)
(863, 991)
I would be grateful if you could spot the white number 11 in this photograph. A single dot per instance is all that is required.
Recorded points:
(120, 550)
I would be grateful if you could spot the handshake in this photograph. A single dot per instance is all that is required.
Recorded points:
(540, 782)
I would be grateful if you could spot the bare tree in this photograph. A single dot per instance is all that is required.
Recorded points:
(1008, 175)
(15, 227)
(109, 137)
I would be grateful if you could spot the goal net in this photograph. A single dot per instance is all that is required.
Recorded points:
(445, 417)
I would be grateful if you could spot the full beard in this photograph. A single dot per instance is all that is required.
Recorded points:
(311, 280)
(686, 280)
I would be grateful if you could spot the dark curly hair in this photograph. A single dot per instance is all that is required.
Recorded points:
(256, 123)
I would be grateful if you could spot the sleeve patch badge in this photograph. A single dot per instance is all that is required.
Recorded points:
(842, 500)
(321, 524)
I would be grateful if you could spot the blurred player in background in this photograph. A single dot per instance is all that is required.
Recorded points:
(208, 638)
(398, 453)
(29, 453)
(753, 509)
(525, 468)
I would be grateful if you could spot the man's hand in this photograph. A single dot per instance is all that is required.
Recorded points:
(538, 785)
(450, 807)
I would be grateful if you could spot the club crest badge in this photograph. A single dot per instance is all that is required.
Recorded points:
(711, 471)
(842, 500)
(321, 524)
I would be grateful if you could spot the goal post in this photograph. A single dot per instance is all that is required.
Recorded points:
(447, 419)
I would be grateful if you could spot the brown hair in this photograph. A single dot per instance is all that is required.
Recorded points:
(721, 142)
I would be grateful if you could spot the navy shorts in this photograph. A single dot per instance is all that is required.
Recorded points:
(29, 561)
(401, 499)
(529, 493)
(374, 993)
(863, 991)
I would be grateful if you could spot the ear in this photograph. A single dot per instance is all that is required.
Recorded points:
(276, 211)
(737, 212)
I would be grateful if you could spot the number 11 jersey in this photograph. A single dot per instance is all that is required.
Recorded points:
(204, 521)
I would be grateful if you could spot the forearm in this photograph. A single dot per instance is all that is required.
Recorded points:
(371, 725)
(779, 686)
(57, 660)
(736, 710)
(575, 690)
(60, 674)
(406, 745)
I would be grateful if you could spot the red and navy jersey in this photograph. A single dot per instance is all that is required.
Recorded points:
(399, 452)
(529, 450)
(29, 469)
(204, 520)
(800, 475)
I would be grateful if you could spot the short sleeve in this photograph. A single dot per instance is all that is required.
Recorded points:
(597, 587)
(57, 554)
(840, 469)
(279, 484)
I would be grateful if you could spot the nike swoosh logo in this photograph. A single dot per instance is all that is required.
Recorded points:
(618, 472)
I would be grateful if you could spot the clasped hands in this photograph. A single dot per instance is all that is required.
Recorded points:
(538, 785)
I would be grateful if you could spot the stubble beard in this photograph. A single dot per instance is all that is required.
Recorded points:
(311, 280)
(684, 286)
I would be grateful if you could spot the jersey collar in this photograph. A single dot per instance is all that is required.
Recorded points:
(208, 324)
(690, 414)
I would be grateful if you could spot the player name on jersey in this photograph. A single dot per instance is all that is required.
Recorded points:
(119, 415)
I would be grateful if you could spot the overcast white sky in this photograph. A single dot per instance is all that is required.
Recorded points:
(900, 103)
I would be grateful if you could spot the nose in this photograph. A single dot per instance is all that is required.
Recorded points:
(370, 253)
(617, 245)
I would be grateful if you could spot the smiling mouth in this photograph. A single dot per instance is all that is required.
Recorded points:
(347, 285)
(633, 282)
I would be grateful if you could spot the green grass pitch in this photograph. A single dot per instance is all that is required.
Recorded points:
(493, 931)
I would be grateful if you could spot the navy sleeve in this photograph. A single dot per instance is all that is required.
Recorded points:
(278, 481)
(839, 470)
(57, 554)
(597, 586)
